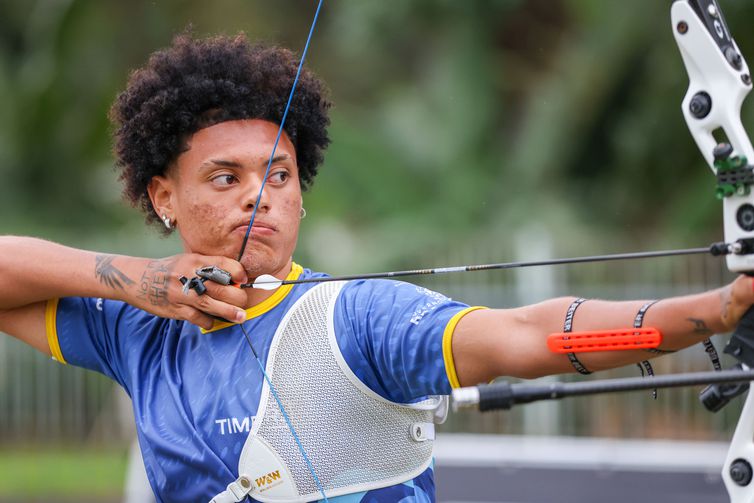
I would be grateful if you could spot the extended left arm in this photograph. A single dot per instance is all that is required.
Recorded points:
(512, 342)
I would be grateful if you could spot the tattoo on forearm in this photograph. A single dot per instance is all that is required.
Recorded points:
(153, 286)
(700, 328)
(110, 275)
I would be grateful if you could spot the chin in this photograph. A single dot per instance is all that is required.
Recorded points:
(256, 265)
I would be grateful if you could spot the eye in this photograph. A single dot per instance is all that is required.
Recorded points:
(279, 177)
(224, 180)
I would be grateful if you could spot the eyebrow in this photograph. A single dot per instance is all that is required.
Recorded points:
(235, 164)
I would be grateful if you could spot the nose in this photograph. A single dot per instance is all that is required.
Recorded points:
(252, 193)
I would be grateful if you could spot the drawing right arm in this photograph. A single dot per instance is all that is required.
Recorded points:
(33, 271)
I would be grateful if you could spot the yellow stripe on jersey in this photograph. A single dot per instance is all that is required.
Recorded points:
(447, 345)
(51, 312)
(266, 305)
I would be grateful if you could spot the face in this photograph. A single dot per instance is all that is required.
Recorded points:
(211, 189)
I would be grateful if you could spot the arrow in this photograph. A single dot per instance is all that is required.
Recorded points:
(268, 282)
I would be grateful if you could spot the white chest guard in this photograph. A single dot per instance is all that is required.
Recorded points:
(355, 439)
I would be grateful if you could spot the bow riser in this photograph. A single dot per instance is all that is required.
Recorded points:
(719, 81)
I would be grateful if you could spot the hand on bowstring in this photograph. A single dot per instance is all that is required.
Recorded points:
(171, 288)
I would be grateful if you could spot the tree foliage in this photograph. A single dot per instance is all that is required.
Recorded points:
(454, 121)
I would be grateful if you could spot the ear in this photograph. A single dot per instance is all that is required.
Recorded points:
(161, 190)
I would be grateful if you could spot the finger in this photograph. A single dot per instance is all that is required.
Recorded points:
(228, 294)
(213, 307)
(196, 317)
(236, 270)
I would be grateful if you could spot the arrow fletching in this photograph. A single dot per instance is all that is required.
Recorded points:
(267, 282)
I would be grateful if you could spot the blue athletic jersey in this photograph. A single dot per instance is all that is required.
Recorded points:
(195, 393)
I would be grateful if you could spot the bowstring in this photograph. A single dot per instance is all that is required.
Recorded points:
(246, 239)
(285, 416)
(280, 131)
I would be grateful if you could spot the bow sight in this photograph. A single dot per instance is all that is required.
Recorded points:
(719, 80)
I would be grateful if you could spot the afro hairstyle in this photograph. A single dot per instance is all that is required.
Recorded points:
(196, 83)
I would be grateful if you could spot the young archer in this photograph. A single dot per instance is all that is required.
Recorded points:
(195, 130)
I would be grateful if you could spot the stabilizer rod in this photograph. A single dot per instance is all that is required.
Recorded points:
(504, 395)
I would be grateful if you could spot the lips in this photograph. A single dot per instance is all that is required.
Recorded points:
(258, 227)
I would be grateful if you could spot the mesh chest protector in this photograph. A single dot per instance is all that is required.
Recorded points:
(355, 439)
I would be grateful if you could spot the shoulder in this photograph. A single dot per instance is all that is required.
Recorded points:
(390, 296)
(390, 288)
(306, 273)
(99, 308)
(111, 327)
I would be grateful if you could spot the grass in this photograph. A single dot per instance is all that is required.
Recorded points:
(62, 475)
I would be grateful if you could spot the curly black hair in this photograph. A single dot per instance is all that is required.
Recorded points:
(196, 83)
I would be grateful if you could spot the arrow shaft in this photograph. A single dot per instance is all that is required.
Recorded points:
(502, 265)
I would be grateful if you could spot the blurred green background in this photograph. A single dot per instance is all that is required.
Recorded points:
(454, 121)
(458, 127)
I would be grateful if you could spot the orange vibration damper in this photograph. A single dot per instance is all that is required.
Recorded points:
(604, 340)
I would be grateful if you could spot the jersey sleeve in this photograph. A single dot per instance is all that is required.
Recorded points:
(103, 335)
(396, 337)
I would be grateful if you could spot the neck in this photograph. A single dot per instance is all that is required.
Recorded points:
(255, 296)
